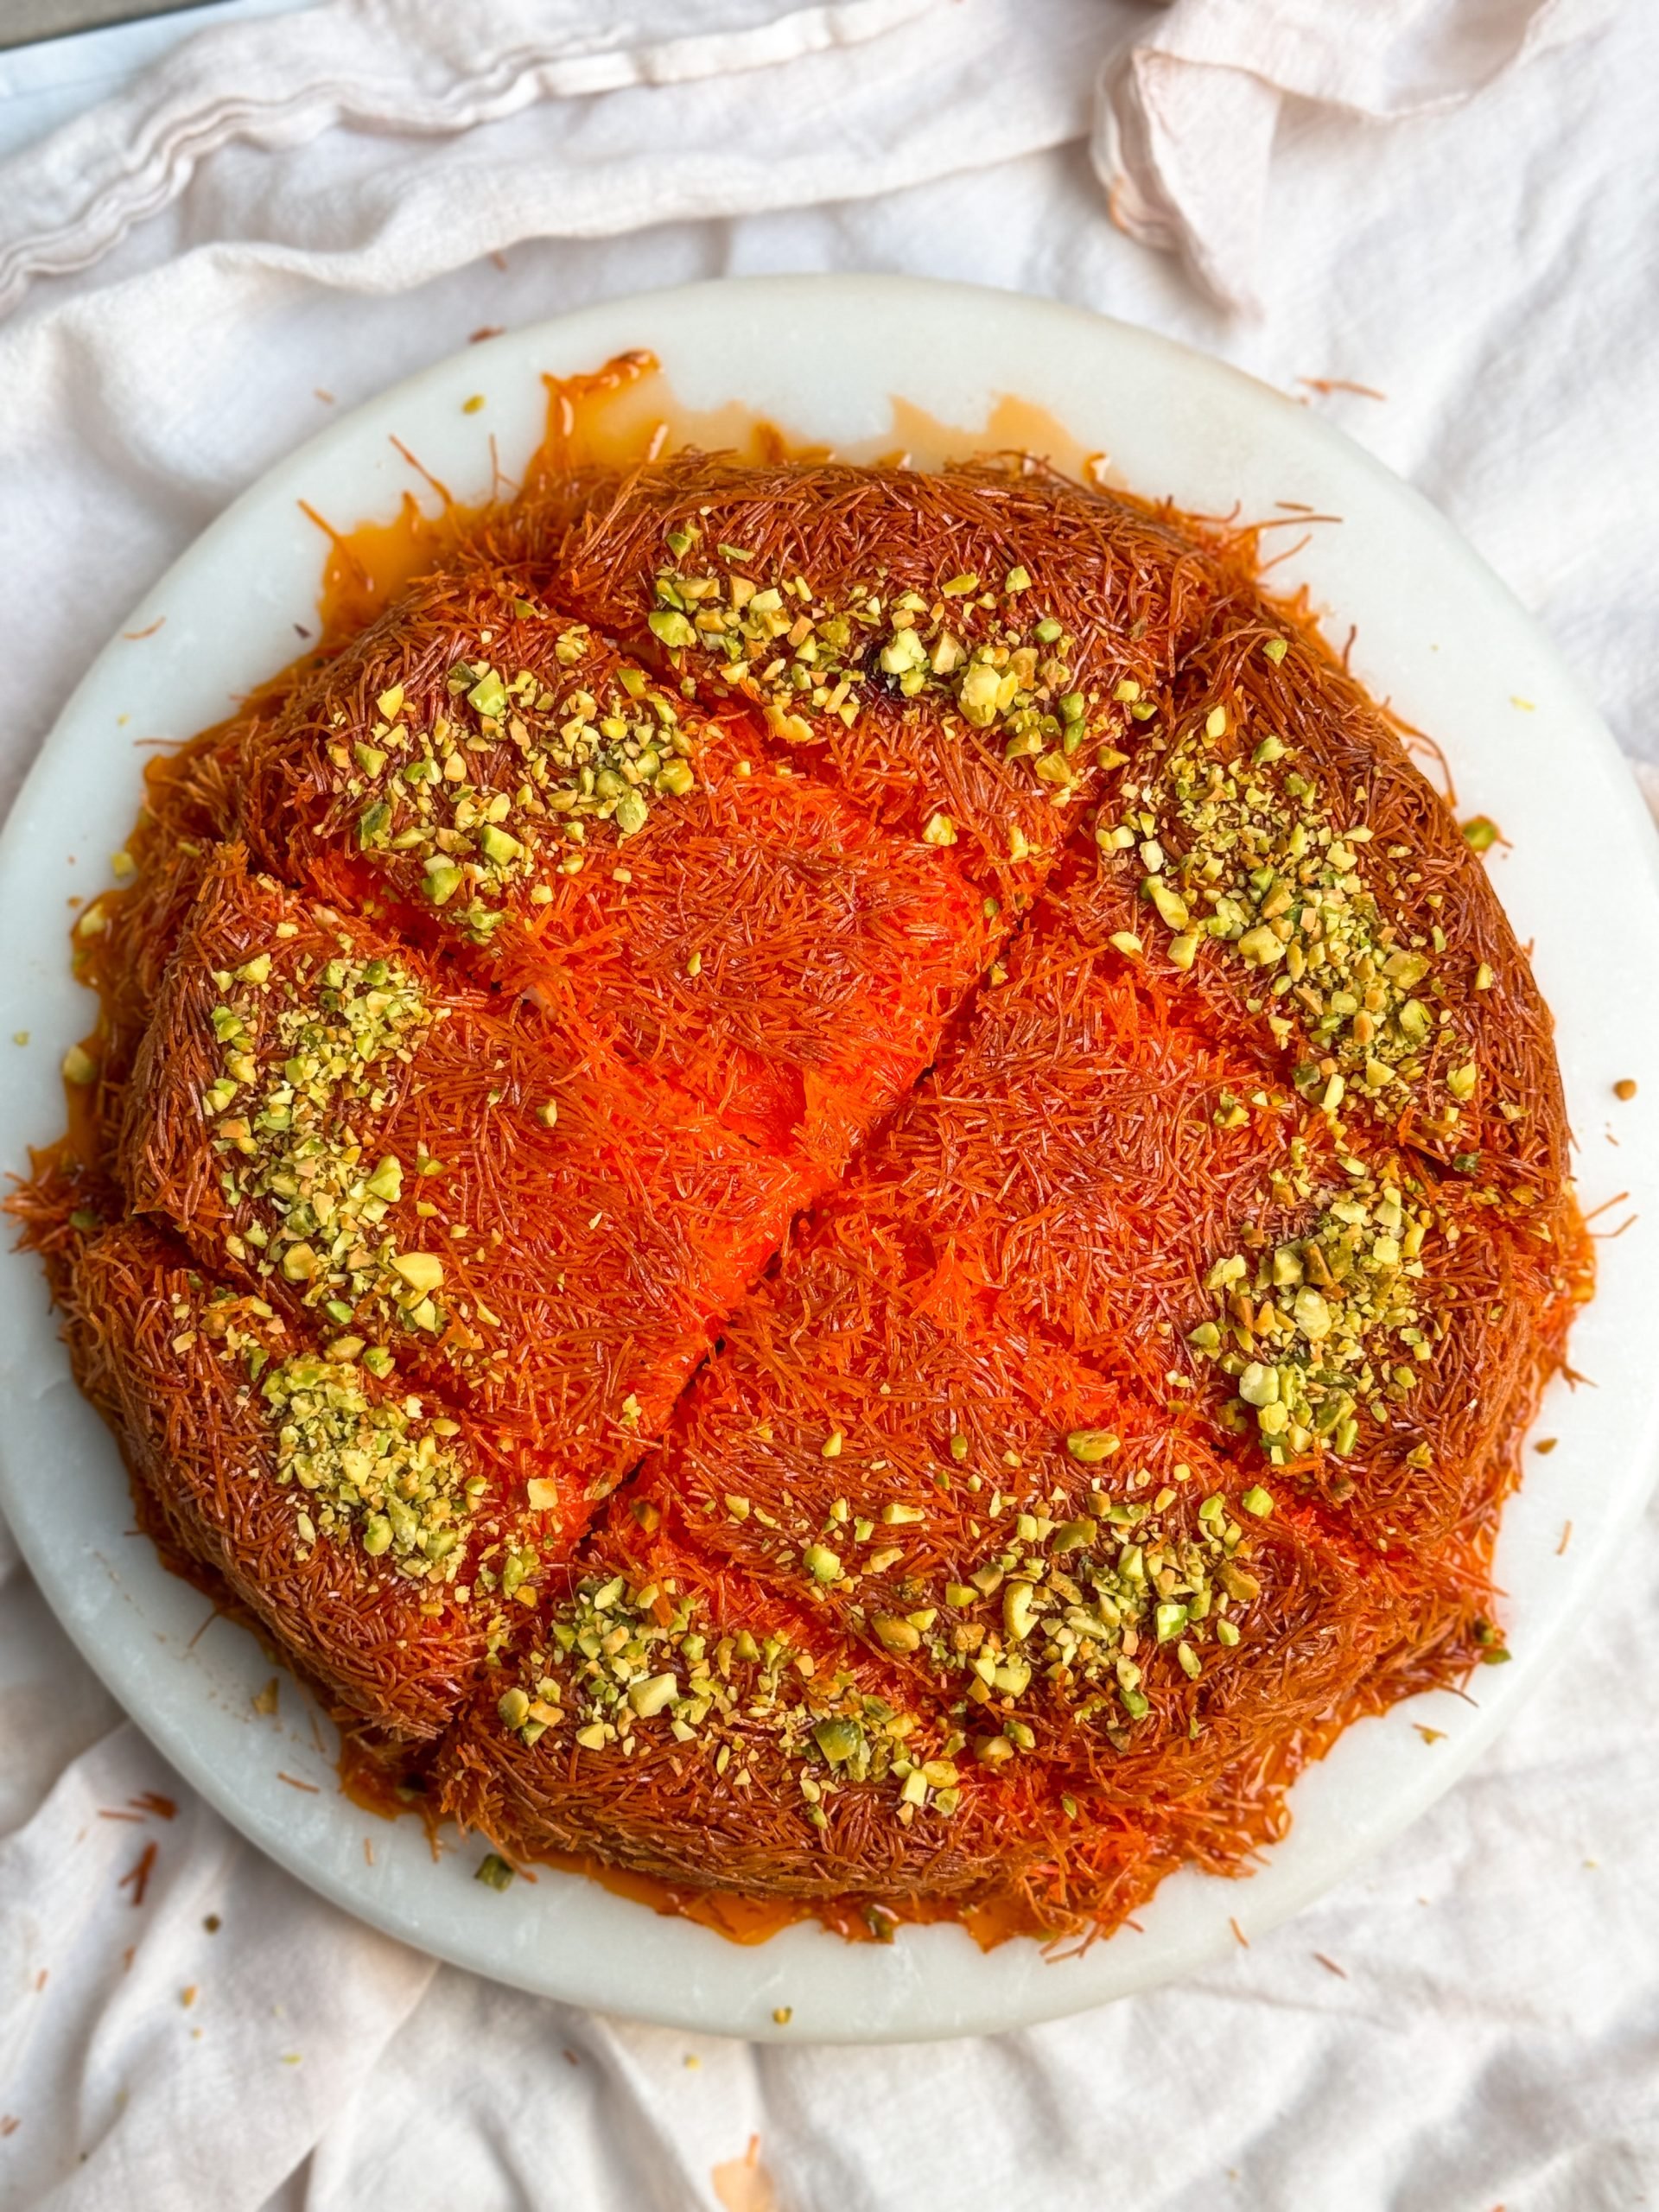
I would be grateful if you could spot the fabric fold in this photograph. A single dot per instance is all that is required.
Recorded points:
(391, 66)
(1185, 115)
(175, 1976)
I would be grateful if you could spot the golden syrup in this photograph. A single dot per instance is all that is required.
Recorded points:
(626, 414)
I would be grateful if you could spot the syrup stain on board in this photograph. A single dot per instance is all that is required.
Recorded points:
(627, 413)
(743, 2185)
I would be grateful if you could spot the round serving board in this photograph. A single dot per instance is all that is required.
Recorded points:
(1435, 634)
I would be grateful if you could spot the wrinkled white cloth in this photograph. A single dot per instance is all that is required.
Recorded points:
(1187, 115)
(392, 65)
(294, 213)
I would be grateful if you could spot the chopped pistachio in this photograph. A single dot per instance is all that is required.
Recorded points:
(488, 694)
(898, 1635)
(1171, 907)
(1091, 1445)
(649, 1697)
(1018, 1611)
(422, 1271)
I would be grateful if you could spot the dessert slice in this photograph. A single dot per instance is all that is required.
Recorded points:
(683, 1721)
(497, 779)
(354, 1523)
(426, 1177)
(954, 649)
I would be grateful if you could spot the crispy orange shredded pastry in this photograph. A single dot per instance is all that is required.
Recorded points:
(829, 1185)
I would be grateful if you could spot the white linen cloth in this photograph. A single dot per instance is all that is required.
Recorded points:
(1454, 211)
(1186, 118)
